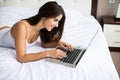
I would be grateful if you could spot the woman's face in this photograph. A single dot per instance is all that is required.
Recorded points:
(50, 23)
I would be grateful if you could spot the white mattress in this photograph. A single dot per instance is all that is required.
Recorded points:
(96, 63)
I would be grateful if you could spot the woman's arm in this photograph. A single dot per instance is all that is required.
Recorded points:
(20, 35)
(60, 43)
(56, 53)
(65, 46)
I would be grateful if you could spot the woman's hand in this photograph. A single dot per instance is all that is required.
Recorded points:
(65, 46)
(56, 53)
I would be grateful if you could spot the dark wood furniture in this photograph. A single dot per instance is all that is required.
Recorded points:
(94, 8)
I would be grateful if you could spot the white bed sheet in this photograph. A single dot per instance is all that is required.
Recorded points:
(96, 63)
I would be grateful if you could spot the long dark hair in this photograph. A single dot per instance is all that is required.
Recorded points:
(49, 10)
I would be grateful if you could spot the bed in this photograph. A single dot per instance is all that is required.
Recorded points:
(80, 26)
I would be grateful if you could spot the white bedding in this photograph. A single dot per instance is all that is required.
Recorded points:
(96, 63)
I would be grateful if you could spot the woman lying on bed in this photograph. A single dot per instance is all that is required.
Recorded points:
(48, 24)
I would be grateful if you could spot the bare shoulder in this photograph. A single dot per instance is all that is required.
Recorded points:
(19, 25)
(18, 28)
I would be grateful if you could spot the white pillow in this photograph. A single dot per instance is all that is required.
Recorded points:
(10, 15)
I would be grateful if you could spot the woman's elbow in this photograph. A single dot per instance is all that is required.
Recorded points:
(21, 60)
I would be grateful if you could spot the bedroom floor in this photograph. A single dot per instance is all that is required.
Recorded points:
(116, 60)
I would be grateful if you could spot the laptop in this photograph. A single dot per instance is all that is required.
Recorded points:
(73, 57)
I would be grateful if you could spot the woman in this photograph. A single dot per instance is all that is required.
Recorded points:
(47, 24)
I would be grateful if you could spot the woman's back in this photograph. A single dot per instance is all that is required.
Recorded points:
(7, 37)
(6, 40)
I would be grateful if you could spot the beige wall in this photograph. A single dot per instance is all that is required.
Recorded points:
(106, 9)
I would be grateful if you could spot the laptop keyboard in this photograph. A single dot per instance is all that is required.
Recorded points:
(71, 56)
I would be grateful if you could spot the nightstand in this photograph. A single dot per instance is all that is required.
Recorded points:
(111, 30)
